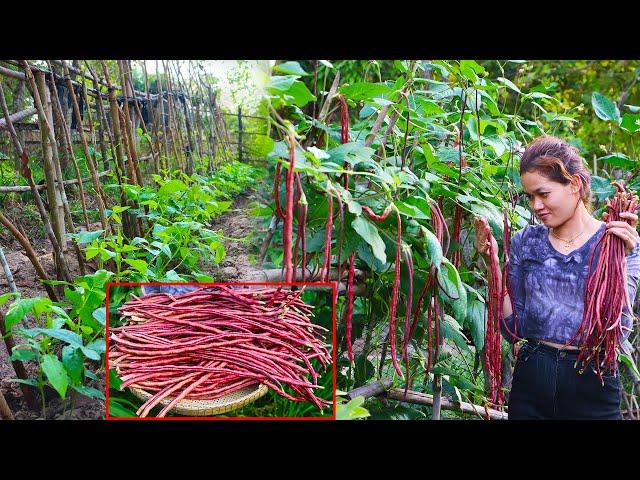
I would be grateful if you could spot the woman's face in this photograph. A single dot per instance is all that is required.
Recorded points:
(552, 202)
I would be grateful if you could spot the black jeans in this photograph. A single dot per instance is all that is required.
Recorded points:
(546, 385)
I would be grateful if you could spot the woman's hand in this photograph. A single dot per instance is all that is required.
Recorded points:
(483, 233)
(626, 230)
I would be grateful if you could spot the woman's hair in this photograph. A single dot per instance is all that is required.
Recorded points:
(555, 159)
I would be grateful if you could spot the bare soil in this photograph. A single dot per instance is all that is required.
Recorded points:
(242, 240)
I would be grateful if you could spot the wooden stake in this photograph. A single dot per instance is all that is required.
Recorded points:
(26, 172)
(96, 184)
(30, 253)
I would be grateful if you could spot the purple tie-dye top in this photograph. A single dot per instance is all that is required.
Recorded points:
(548, 286)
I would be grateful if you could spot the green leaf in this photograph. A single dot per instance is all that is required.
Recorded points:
(364, 91)
(475, 321)
(602, 188)
(73, 362)
(98, 346)
(139, 265)
(453, 285)
(18, 310)
(90, 353)
(6, 296)
(618, 160)
(23, 354)
(470, 69)
(86, 237)
(89, 391)
(370, 234)
(56, 374)
(119, 208)
(509, 84)
(114, 380)
(290, 68)
(28, 381)
(451, 329)
(290, 90)
(281, 83)
(352, 152)
(629, 363)
(171, 187)
(100, 314)
(604, 108)
(117, 410)
(66, 336)
(318, 153)
(427, 108)
(433, 246)
(352, 410)
(202, 278)
(173, 276)
(630, 122)
(364, 370)
(411, 211)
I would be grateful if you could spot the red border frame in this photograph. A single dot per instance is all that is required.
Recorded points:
(334, 289)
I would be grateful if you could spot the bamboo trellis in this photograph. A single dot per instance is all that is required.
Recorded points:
(99, 108)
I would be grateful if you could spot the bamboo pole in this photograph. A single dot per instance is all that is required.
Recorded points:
(175, 118)
(5, 411)
(30, 253)
(102, 123)
(50, 160)
(26, 188)
(162, 118)
(100, 198)
(60, 184)
(67, 135)
(142, 122)
(26, 172)
(118, 138)
(196, 101)
(445, 404)
(129, 130)
(18, 366)
(208, 116)
(192, 141)
(154, 126)
(16, 117)
(383, 388)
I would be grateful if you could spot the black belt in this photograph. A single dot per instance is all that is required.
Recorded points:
(563, 352)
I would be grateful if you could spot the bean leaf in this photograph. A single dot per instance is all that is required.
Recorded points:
(370, 234)
(56, 374)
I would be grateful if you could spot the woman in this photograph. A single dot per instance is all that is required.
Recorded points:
(549, 264)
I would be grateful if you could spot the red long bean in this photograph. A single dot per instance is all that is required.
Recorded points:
(235, 338)
(606, 294)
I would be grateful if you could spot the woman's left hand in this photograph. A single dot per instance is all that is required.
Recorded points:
(626, 230)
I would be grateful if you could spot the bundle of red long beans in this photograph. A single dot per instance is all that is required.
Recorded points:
(492, 339)
(216, 340)
(606, 293)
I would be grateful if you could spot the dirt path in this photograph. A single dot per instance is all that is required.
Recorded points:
(242, 240)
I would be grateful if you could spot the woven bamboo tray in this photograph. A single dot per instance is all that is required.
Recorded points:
(203, 407)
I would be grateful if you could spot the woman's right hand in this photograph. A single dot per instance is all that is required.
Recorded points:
(483, 234)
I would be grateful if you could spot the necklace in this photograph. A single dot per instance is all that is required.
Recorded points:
(567, 243)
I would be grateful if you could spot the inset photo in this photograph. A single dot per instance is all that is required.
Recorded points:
(214, 351)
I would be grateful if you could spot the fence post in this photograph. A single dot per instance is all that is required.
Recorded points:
(239, 134)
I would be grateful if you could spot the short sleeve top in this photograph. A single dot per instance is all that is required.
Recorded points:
(547, 286)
